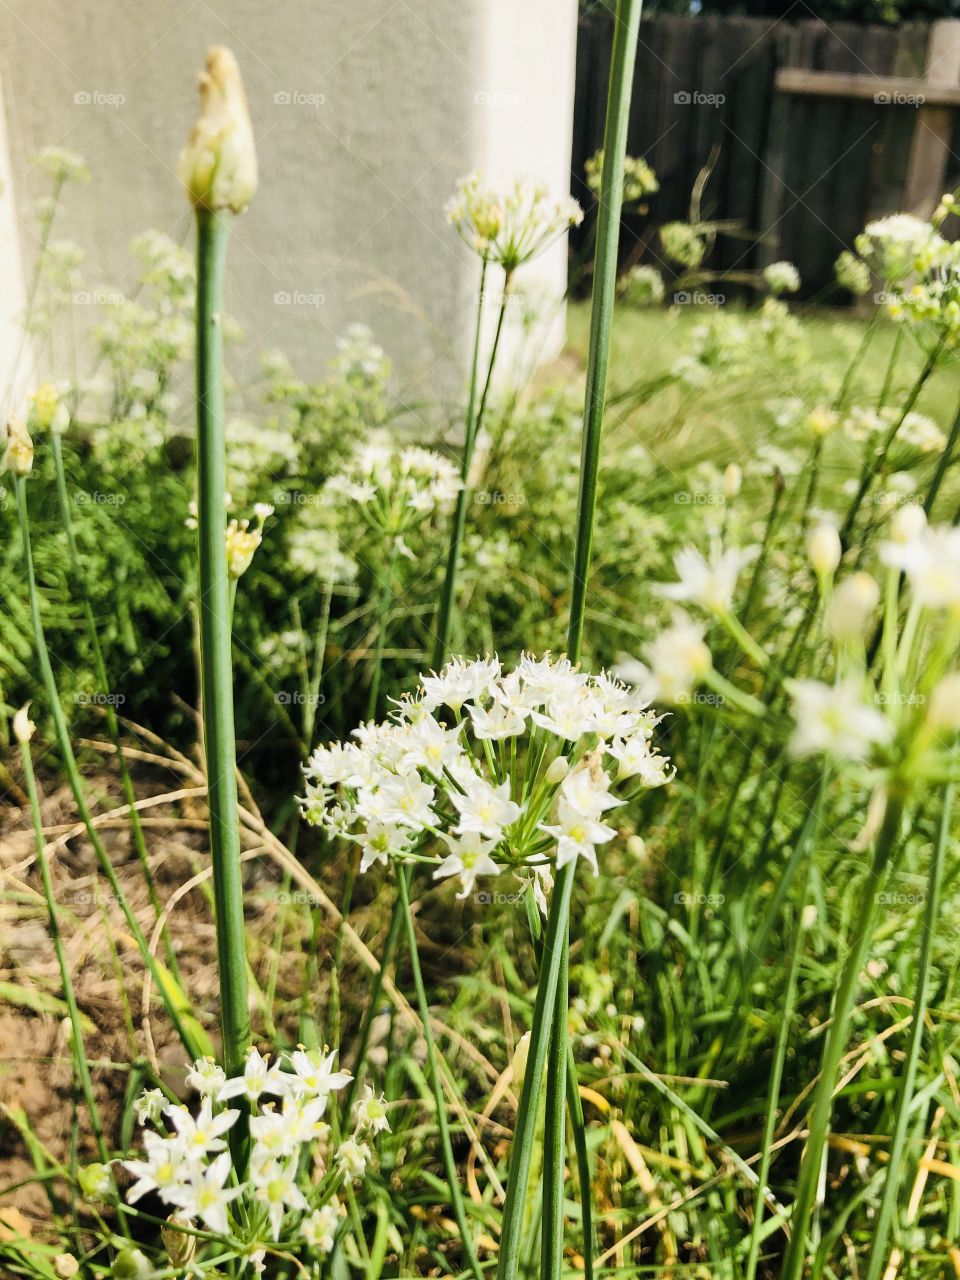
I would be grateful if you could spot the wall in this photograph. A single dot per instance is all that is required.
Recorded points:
(366, 113)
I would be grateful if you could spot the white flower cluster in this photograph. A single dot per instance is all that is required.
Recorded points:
(519, 778)
(289, 1192)
(921, 269)
(917, 431)
(394, 488)
(511, 227)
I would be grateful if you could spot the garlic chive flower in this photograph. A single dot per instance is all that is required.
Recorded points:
(509, 227)
(836, 720)
(218, 166)
(708, 581)
(287, 1200)
(48, 409)
(781, 277)
(243, 539)
(639, 180)
(18, 456)
(464, 772)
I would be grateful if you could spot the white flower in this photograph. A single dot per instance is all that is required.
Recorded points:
(459, 682)
(379, 840)
(206, 1077)
(404, 801)
(319, 1230)
(371, 1112)
(678, 659)
(824, 550)
(851, 607)
(496, 722)
(782, 277)
(275, 1185)
(577, 836)
(835, 720)
(483, 808)
(354, 1157)
(166, 1166)
(313, 1074)
(931, 561)
(258, 1078)
(708, 581)
(470, 858)
(204, 1195)
(202, 1134)
(150, 1106)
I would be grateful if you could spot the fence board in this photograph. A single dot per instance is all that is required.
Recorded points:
(802, 173)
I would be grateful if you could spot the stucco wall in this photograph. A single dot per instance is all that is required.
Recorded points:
(365, 111)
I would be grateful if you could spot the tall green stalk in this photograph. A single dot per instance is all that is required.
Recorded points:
(819, 1121)
(449, 1162)
(80, 1064)
(472, 430)
(189, 1030)
(548, 1033)
(215, 641)
(100, 671)
(891, 1186)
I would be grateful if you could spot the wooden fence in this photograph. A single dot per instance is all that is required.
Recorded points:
(812, 128)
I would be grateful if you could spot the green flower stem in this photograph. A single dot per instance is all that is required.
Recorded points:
(873, 467)
(175, 1002)
(81, 1065)
(215, 642)
(943, 462)
(449, 1162)
(384, 602)
(110, 715)
(819, 1121)
(557, 947)
(773, 1096)
(373, 1004)
(841, 397)
(736, 630)
(525, 1129)
(891, 1186)
(458, 524)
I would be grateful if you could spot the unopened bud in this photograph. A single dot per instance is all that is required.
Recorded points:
(732, 480)
(824, 550)
(131, 1264)
(557, 770)
(943, 713)
(520, 1059)
(179, 1245)
(65, 1265)
(218, 166)
(907, 523)
(851, 607)
(23, 726)
(18, 458)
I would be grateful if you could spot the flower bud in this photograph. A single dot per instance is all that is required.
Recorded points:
(23, 726)
(732, 481)
(18, 458)
(95, 1181)
(65, 1265)
(218, 166)
(907, 522)
(179, 1245)
(520, 1060)
(808, 917)
(557, 771)
(131, 1264)
(49, 411)
(943, 713)
(851, 606)
(824, 550)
